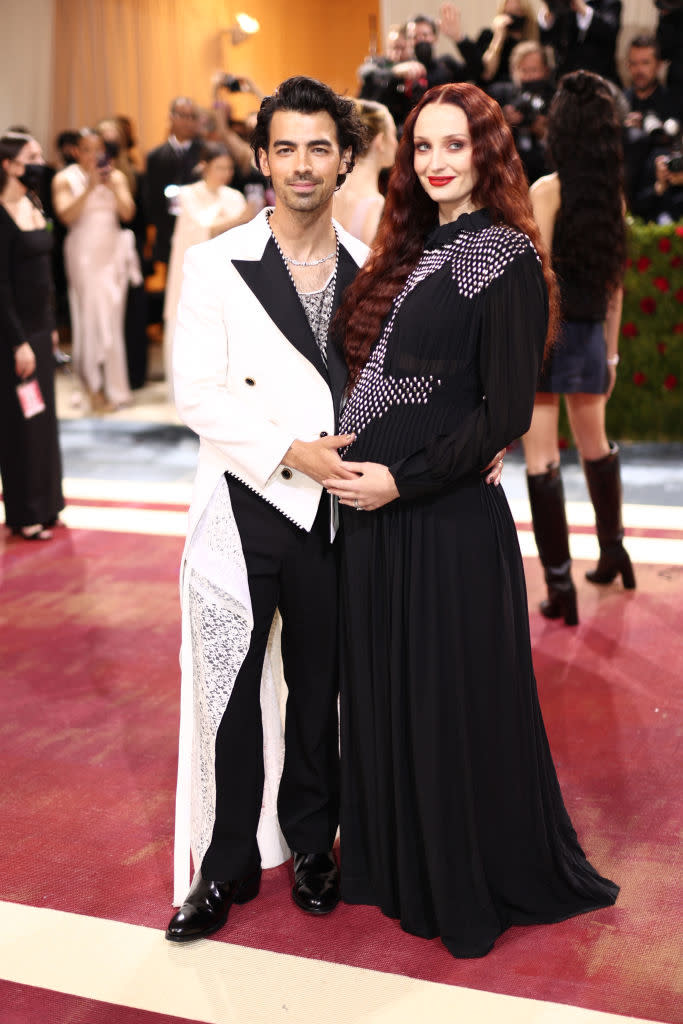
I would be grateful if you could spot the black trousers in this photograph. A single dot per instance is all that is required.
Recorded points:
(295, 572)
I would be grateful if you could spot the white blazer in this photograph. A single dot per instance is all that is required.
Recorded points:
(243, 385)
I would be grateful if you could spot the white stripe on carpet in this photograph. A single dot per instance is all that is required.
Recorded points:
(227, 984)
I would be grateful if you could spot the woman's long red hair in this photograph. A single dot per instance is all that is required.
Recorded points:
(409, 216)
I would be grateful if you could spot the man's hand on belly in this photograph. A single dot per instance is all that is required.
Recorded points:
(319, 459)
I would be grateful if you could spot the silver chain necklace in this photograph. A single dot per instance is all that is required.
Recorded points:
(307, 263)
(301, 263)
(317, 305)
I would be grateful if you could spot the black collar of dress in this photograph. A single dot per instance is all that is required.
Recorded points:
(445, 233)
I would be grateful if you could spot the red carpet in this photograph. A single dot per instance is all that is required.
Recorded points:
(90, 696)
(23, 1004)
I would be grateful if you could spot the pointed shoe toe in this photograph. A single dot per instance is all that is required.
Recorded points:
(207, 906)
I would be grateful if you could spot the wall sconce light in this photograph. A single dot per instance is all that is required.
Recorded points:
(243, 27)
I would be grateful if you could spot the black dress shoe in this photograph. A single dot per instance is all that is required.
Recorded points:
(207, 906)
(316, 882)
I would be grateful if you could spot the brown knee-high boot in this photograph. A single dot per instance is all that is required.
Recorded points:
(603, 477)
(546, 497)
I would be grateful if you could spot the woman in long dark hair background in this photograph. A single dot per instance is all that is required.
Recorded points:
(452, 818)
(580, 212)
(30, 460)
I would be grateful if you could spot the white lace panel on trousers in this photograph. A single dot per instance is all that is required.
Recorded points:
(220, 641)
(220, 620)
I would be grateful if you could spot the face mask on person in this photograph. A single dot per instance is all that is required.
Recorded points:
(424, 52)
(33, 177)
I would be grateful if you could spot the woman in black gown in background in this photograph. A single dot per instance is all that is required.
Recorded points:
(452, 818)
(30, 460)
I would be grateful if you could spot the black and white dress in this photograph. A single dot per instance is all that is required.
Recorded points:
(452, 818)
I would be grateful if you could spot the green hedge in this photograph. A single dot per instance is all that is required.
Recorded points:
(647, 402)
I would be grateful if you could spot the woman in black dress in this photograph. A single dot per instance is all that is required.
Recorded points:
(452, 818)
(588, 243)
(30, 460)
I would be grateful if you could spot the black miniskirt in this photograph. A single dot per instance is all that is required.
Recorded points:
(578, 361)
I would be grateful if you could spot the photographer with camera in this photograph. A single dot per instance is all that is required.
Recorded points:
(583, 35)
(247, 179)
(224, 85)
(658, 195)
(651, 129)
(91, 197)
(652, 121)
(525, 102)
(378, 82)
(647, 95)
(429, 69)
(514, 23)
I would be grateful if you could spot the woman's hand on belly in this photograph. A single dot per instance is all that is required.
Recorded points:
(495, 468)
(372, 487)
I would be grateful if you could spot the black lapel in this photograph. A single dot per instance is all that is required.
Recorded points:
(272, 286)
(336, 364)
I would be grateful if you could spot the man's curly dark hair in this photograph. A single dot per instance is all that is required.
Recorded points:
(309, 96)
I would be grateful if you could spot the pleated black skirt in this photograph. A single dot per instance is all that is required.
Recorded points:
(452, 819)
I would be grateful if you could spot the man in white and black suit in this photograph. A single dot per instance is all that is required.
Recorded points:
(259, 378)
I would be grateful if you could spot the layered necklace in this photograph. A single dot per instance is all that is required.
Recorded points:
(302, 263)
(317, 305)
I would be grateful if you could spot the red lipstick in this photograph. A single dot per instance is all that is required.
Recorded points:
(439, 182)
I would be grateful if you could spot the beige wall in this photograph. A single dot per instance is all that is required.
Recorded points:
(26, 76)
(132, 56)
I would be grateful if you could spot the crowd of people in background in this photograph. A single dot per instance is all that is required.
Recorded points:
(122, 219)
(520, 60)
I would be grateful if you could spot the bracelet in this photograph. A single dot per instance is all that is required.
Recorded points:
(613, 360)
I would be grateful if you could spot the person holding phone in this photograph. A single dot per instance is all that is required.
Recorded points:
(91, 197)
(514, 23)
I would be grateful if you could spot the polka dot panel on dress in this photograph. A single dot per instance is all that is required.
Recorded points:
(476, 259)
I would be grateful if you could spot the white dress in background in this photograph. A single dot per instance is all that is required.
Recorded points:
(198, 210)
(101, 261)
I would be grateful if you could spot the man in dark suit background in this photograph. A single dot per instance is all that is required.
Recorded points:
(582, 34)
(172, 163)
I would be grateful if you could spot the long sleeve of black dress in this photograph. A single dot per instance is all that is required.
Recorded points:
(12, 333)
(26, 288)
(510, 352)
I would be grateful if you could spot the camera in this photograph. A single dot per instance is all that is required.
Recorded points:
(533, 101)
(674, 163)
(658, 130)
(229, 82)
